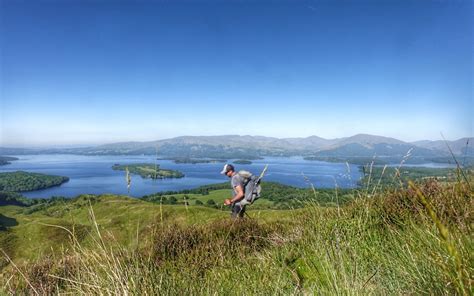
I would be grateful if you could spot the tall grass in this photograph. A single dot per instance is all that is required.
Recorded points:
(408, 240)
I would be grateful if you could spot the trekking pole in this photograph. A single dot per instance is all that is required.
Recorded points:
(263, 172)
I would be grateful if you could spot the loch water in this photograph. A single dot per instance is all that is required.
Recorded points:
(94, 174)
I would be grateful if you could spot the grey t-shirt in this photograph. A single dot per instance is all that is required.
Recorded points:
(236, 181)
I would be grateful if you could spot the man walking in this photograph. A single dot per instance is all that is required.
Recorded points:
(238, 186)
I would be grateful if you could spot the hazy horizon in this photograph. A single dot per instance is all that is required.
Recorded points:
(82, 145)
(95, 72)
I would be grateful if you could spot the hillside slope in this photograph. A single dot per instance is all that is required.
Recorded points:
(387, 241)
(250, 147)
(32, 232)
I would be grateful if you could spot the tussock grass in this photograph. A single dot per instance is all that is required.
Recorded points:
(414, 239)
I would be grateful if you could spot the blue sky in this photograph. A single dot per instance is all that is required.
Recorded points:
(91, 72)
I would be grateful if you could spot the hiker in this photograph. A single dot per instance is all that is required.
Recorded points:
(238, 187)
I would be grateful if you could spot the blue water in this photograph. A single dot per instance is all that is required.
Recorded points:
(94, 174)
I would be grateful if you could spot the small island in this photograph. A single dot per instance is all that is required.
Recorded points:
(186, 160)
(24, 181)
(195, 161)
(148, 170)
(353, 160)
(6, 159)
(242, 161)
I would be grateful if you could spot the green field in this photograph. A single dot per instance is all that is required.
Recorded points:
(218, 196)
(404, 239)
(274, 196)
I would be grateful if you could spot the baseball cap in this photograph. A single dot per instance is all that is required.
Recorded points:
(227, 168)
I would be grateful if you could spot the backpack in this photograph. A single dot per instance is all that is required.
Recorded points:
(252, 188)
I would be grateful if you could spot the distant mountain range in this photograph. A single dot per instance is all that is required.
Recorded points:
(251, 147)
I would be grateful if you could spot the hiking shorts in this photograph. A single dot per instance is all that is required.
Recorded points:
(238, 210)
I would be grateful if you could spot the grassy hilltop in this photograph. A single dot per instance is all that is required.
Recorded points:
(410, 238)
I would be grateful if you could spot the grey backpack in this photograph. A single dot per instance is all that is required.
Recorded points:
(252, 188)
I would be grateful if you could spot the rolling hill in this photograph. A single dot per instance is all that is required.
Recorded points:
(383, 242)
(251, 147)
(464, 146)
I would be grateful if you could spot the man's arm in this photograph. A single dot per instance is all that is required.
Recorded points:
(237, 197)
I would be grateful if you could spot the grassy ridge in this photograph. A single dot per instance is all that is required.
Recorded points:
(120, 215)
(415, 239)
